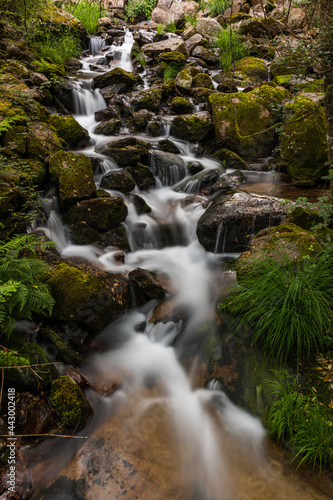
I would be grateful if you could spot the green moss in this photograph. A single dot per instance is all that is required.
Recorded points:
(111, 127)
(69, 402)
(202, 80)
(304, 218)
(59, 347)
(113, 77)
(168, 89)
(127, 152)
(175, 57)
(230, 159)
(42, 141)
(147, 99)
(180, 105)
(70, 130)
(252, 67)
(102, 214)
(191, 128)
(303, 142)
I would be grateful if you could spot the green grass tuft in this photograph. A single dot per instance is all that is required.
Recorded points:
(231, 46)
(58, 48)
(88, 12)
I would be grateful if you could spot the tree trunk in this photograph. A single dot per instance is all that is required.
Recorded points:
(326, 54)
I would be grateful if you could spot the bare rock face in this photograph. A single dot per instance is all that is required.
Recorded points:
(297, 19)
(167, 11)
(208, 26)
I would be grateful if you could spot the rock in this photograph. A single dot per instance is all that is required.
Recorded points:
(141, 206)
(181, 105)
(296, 19)
(184, 81)
(193, 41)
(117, 76)
(228, 181)
(147, 99)
(189, 32)
(58, 348)
(177, 59)
(118, 180)
(69, 403)
(126, 152)
(229, 221)
(230, 159)
(143, 177)
(190, 7)
(168, 147)
(304, 217)
(168, 89)
(255, 112)
(73, 176)
(167, 11)
(207, 55)
(121, 102)
(172, 44)
(200, 95)
(82, 234)
(145, 286)
(291, 57)
(260, 27)
(192, 128)
(303, 142)
(42, 141)
(208, 26)
(252, 67)
(62, 93)
(34, 413)
(107, 114)
(111, 127)
(141, 119)
(194, 167)
(87, 295)
(155, 128)
(170, 168)
(101, 214)
(116, 238)
(111, 90)
(70, 130)
(202, 80)
(199, 183)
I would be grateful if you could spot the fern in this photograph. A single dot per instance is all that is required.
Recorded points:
(22, 291)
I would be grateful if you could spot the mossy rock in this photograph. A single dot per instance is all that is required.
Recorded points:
(56, 20)
(88, 296)
(260, 27)
(101, 214)
(200, 94)
(191, 128)
(70, 130)
(181, 105)
(184, 81)
(58, 347)
(42, 141)
(117, 238)
(140, 205)
(16, 139)
(16, 68)
(168, 89)
(82, 234)
(203, 81)
(147, 99)
(304, 218)
(114, 77)
(127, 152)
(173, 57)
(73, 174)
(141, 119)
(145, 286)
(291, 59)
(230, 159)
(118, 180)
(69, 403)
(303, 141)
(252, 67)
(155, 128)
(253, 134)
(111, 127)
(143, 177)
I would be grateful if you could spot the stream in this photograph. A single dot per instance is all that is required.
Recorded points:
(159, 435)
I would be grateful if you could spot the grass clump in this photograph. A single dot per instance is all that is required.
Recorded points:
(56, 49)
(170, 72)
(289, 304)
(136, 8)
(218, 7)
(231, 46)
(88, 12)
(302, 421)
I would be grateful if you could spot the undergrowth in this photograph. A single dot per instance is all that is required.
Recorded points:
(136, 8)
(58, 48)
(218, 7)
(88, 12)
(231, 46)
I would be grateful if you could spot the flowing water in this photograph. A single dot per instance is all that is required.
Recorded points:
(159, 435)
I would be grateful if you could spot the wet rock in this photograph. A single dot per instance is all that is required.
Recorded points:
(199, 183)
(206, 55)
(118, 180)
(167, 11)
(37, 413)
(168, 89)
(111, 90)
(145, 286)
(62, 93)
(123, 105)
(208, 26)
(141, 119)
(231, 219)
(110, 127)
(42, 141)
(194, 167)
(87, 295)
(107, 114)
(256, 111)
(126, 152)
(147, 99)
(168, 146)
(230, 159)
(69, 403)
(57, 346)
(228, 181)
(101, 214)
(193, 127)
(70, 130)
(170, 168)
(117, 238)
(155, 128)
(141, 206)
(172, 44)
(83, 234)
(73, 175)
(115, 77)
(181, 105)
(143, 177)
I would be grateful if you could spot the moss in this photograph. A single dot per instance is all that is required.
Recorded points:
(252, 67)
(114, 77)
(70, 130)
(230, 159)
(59, 348)
(191, 128)
(16, 139)
(184, 80)
(147, 99)
(102, 214)
(73, 175)
(304, 218)
(303, 142)
(127, 152)
(181, 105)
(168, 89)
(111, 127)
(202, 80)
(42, 141)
(69, 402)
(174, 57)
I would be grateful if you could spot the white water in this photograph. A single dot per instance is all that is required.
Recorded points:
(190, 273)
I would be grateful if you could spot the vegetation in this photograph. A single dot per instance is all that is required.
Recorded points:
(136, 8)
(289, 304)
(302, 421)
(88, 12)
(217, 7)
(21, 15)
(22, 291)
(57, 48)
(170, 72)
(231, 46)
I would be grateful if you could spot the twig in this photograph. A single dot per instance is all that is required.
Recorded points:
(37, 435)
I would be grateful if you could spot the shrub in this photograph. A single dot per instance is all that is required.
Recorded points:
(22, 291)
(135, 8)
(88, 12)
(231, 46)
(287, 303)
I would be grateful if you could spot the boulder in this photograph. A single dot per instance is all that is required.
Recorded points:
(228, 181)
(192, 128)
(86, 295)
(118, 180)
(199, 183)
(208, 26)
(253, 68)
(297, 19)
(141, 119)
(42, 141)
(230, 159)
(189, 32)
(168, 167)
(69, 403)
(166, 12)
(194, 167)
(140, 205)
(145, 286)
(172, 44)
(260, 27)
(184, 81)
(117, 76)
(111, 127)
(253, 134)
(181, 105)
(70, 130)
(117, 238)
(103, 115)
(190, 8)
(155, 128)
(303, 141)
(202, 80)
(143, 177)
(147, 99)
(101, 214)
(193, 41)
(168, 146)
(169, 89)
(207, 55)
(73, 175)
(126, 152)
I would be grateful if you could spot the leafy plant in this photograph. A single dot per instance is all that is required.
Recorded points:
(231, 46)
(289, 304)
(171, 71)
(56, 49)
(217, 7)
(88, 12)
(191, 19)
(160, 29)
(302, 420)
(22, 291)
(135, 8)
(171, 27)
